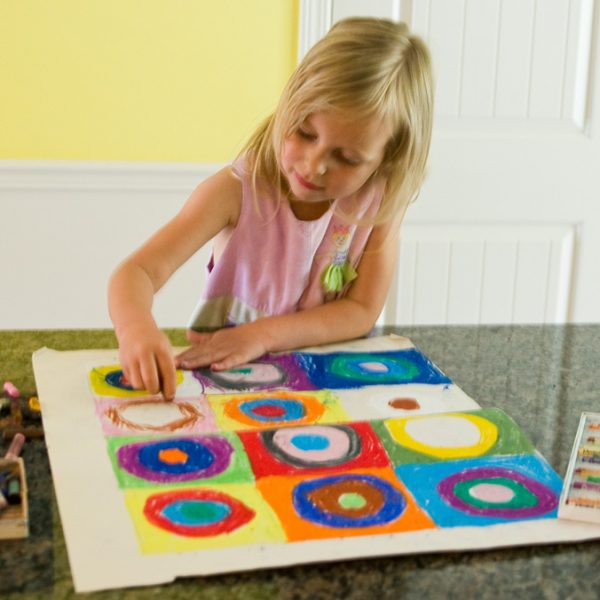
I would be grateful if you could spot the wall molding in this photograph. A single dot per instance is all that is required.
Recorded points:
(57, 175)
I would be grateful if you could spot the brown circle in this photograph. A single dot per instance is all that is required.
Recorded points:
(189, 415)
(404, 403)
(326, 498)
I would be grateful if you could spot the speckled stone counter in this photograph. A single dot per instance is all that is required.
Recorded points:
(544, 377)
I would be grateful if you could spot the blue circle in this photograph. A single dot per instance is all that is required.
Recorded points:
(199, 456)
(307, 442)
(115, 379)
(392, 507)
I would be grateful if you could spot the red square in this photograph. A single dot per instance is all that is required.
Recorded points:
(313, 449)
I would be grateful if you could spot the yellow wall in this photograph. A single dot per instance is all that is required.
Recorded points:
(150, 80)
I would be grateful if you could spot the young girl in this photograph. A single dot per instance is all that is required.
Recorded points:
(304, 224)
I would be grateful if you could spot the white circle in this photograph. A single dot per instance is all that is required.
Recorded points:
(444, 431)
(151, 414)
(374, 366)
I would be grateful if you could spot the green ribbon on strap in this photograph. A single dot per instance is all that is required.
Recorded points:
(336, 276)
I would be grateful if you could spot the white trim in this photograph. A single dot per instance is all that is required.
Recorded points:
(84, 175)
(316, 17)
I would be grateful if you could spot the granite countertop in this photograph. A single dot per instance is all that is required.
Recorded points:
(543, 376)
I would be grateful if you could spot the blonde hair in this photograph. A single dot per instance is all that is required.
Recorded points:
(367, 68)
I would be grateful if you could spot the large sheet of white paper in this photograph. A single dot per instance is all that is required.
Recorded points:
(423, 468)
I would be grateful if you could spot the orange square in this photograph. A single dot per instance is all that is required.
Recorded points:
(343, 504)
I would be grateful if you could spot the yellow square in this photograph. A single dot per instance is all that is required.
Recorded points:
(201, 518)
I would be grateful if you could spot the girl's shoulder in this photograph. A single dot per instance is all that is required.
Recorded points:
(219, 195)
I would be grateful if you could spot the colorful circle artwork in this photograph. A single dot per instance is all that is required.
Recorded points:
(196, 512)
(175, 460)
(250, 376)
(373, 368)
(497, 492)
(110, 381)
(348, 501)
(448, 436)
(274, 409)
(313, 445)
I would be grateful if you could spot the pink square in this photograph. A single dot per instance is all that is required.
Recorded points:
(141, 416)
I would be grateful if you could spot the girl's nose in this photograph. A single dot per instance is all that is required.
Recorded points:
(317, 164)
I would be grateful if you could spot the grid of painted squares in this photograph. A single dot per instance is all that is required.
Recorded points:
(268, 453)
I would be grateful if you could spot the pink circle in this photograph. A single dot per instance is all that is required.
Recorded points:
(255, 372)
(491, 492)
(339, 443)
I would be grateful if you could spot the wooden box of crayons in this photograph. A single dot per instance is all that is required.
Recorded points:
(14, 510)
(580, 498)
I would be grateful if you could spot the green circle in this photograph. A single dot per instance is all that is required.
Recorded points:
(352, 500)
(200, 511)
(348, 366)
(522, 498)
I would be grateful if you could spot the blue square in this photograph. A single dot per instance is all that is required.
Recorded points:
(343, 370)
(484, 491)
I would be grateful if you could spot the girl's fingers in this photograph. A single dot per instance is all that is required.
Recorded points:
(168, 376)
(193, 358)
(201, 356)
(132, 375)
(228, 362)
(150, 378)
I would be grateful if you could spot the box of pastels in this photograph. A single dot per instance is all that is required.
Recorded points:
(14, 511)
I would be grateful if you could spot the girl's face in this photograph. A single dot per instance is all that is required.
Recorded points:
(331, 156)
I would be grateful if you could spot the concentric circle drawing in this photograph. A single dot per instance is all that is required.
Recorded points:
(177, 459)
(249, 376)
(497, 492)
(373, 368)
(458, 435)
(274, 409)
(348, 501)
(196, 512)
(110, 381)
(313, 445)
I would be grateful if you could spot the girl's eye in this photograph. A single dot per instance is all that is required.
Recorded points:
(306, 134)
(352, 162)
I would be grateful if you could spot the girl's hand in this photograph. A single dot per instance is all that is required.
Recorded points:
(147, 359)
(222, 349)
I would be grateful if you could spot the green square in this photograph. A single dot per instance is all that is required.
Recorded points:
(510, 439)
(135, 474)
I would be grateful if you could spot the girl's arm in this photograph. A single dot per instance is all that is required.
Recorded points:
(349, 317)
(145, 352)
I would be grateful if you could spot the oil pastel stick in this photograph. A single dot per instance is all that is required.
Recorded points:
(586, 485)
(15, 447)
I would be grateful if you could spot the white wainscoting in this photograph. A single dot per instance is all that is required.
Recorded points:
(67, 225)
(474, 273)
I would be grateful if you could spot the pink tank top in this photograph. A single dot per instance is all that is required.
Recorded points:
(273, 262)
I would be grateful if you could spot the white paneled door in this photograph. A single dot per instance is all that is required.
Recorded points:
(507, 227)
